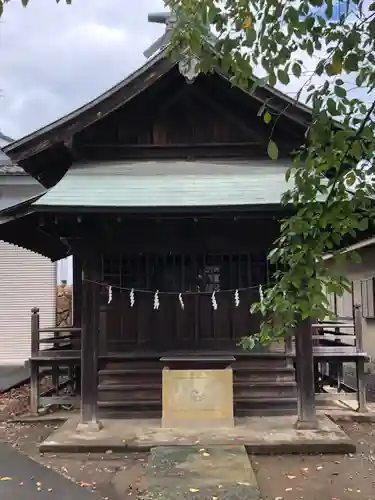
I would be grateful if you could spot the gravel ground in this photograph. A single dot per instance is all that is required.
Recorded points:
(16, 402)
(115, 477)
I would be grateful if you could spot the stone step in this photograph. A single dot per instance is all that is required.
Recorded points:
(192, 473)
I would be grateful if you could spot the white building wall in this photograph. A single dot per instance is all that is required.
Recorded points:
(26, 280)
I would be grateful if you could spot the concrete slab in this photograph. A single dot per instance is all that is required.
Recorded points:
(189, 473)
(349, 413)
(24, 479)
(11, 376)
(260, 435)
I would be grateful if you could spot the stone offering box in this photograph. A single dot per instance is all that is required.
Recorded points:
(197, 391)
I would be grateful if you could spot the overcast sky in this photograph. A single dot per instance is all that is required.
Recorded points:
(54, 58)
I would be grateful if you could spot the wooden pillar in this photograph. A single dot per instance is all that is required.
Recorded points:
(360, 362)
(305, 377)
(77, 291)
(34, 366)
(89, 347)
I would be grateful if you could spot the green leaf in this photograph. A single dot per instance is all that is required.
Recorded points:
(25, 2)
(272, 79)
(283, 77)
(363, 224)
(272, 150)
(267, 117)
(1, 7)
(340, 91)
(296, 70)
(337, 63)
(351, 62)
(331, 106)
(350, 178)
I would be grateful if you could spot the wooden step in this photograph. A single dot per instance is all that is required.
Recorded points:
(129, 403)
(127, 371)
(108, 386)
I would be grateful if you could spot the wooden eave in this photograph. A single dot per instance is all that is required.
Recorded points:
(24, 233)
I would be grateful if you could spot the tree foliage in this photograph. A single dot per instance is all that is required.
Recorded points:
(329, 48)
(25, 3)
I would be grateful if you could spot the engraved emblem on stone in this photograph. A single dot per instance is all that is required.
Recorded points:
(197, 396)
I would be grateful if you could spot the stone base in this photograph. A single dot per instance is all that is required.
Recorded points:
(260, 435)
(306, 425)
(198, 398)
(89, 426)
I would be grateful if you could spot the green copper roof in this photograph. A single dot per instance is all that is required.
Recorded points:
(169, 184)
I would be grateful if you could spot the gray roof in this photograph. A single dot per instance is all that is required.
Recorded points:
(6, 165)
(4, 140)
(10, 169)
(13, 201)
(169, 184)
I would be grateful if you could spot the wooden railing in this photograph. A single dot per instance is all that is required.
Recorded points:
(54, 338)
(60, 358)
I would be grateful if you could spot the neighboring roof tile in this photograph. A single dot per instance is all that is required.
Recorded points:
(10, 169)
(170, 184)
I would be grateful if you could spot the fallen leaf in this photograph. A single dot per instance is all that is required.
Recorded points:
(305, 469)
(5, 478)
(84, 485)
(291, 477)
(320, 467)
(193, 490)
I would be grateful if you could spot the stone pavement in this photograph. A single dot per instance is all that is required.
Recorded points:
(195, 473)
(21, 478)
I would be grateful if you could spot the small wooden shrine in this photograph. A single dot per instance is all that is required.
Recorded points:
(162, 191)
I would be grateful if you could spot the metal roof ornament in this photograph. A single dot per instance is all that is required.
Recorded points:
(167, 18)
(187, 66)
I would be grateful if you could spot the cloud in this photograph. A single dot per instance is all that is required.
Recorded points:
(54, 58)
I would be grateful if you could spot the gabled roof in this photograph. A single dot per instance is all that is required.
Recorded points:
(7, 167)
(61, 130)
(91, 112)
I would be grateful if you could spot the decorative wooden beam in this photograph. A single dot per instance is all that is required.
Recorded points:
(305, 377)
(249, 150)
(226, 113)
